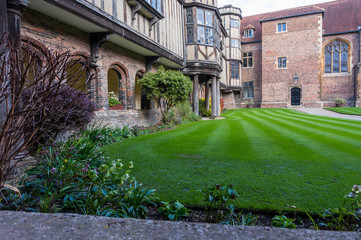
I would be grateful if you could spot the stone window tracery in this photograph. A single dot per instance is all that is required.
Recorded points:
(336, 55)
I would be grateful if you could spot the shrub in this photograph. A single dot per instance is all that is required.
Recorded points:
(36, 99)
(340, 101)
(180, 113)
(76, 176)
(218, 199)
(283, 222)
(167, 88)
(106, 135)
(173, 211)
(66, 119)
(231, 218)
(202, 108)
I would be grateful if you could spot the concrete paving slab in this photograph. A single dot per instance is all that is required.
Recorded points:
(327, 113)
(31, 226)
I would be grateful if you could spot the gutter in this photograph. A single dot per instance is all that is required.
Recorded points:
(290, 16)
(356, 67)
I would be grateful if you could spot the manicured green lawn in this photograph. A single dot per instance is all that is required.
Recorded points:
(346, 110)
(276, 158)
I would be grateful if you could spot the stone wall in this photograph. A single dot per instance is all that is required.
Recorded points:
(131, 118)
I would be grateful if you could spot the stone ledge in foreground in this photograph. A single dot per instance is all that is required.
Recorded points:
(25, 225)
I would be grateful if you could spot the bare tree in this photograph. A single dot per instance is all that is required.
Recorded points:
(30, 86)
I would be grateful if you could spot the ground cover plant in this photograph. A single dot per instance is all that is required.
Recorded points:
(278, 159)
(346, 110)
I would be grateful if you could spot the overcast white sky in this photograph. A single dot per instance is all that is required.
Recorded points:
(252, 7)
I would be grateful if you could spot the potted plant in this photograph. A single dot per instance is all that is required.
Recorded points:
(114, 103)
(340, 102)
(250, 103)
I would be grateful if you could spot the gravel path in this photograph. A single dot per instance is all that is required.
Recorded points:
(327, 113)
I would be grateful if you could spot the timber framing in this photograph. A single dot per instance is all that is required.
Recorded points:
(90, 13)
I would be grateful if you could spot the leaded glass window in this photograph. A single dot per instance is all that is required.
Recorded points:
(248, 90)
(248, 59)
(200, 16)
(234, 42)
(235, 23)
(209, 18)
(336, 57)
(209, 36)
(189, 14)
(190, 34)
(235, 70)
(156, 4)
(201, 35)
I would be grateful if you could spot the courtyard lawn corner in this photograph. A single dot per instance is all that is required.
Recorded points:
(277, 159)
(346, 110)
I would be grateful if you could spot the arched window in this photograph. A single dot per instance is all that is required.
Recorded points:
(78, 72)
(118, 83)
(336, 57)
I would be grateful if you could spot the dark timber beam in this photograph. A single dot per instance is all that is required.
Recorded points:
(195, 94)
(149, 62)
(96, 40)
(14, 13)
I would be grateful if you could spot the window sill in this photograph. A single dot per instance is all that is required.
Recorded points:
(281, 68)
(248, 37)
(281, 32)
(247, 67)
(336, 74)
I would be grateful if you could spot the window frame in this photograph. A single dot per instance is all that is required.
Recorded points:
(340, 52)
(278, 27)
(234, 20)
(248, 88)
(234, 69)
(209, 39)
(235, 40)
(283, 60)
(246, 33)
(247, 59)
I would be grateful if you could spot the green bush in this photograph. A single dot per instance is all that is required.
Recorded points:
(76, 176)
(173, 211)
(180, 113)
(202, 108)
(283, 222)
(106, 135)
(217, 199)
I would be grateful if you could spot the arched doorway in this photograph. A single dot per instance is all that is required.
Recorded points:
(77, 76)
(141, 100)
(114, 82)
(296, 96)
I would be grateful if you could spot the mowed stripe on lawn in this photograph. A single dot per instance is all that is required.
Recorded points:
(276, 158)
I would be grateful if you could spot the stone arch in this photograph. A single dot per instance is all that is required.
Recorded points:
(140, 98)
(81, 72)
(327, 44)
(122, 85)
(33, 52)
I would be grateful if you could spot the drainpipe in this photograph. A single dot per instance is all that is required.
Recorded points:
(355, 68)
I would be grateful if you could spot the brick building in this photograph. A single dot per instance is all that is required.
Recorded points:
(306, 56)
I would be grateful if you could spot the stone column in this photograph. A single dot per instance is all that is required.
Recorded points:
(206, 95)
(3, 18)
(14, 10)
(218, 98)
(214, 97)
(195, 95)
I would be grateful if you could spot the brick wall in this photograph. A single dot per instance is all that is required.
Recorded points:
(340, 85)
(55, 34)
(254, 73)
(301, 45)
